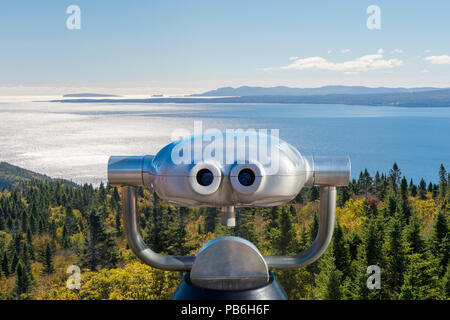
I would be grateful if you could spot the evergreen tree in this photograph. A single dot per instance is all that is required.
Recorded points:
(413, 191)
(439, 240)
(376, 182)
(394, 259)
(414, 240)
(391, 205)
(24, 221)
(102, 193)
(420, 280)
(25, 257)
(435, 191)
(110, 254)
(365, 181)
(314, 194)
(30, 244)
(65, 242)
(71, 222)
(180, 233)
(118, 225)
(292, 211)
(382, 189)
(343, 196)
(341, 252)
(404, 198)
(304, 241)
(369, 253)
(422, 190)
(328, 281)
(15, 261)
(245, 226)
(2, 222)
(372, 241)
(5, 265)
(41, 228)
(273, 217)
(394, 176)
(23, 282)
(287, 241)
(48, 260)
(99, 247)
(446, 285)
(211, 219)
(354, 240)
(52, 230)
(116, 195)
(443, 183)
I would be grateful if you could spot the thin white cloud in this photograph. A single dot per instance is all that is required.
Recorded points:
(293, 58)
(362, 64)
(425, 71)
(346, 51)
(329, 51)
(380, 51)
(427, 51)
(444, 59)
(397, 51)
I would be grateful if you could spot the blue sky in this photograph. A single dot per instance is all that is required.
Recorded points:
(185, 46)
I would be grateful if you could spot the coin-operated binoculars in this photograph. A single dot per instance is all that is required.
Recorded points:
(231, 170)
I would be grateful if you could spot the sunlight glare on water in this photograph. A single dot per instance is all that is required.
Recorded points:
(74, 140)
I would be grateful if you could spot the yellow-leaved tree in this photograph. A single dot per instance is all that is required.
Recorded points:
(351, 216)
(135, 281)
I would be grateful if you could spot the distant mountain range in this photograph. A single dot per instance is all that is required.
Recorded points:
(418, 97)
(10, 174)
(287, 91)
(87, 95)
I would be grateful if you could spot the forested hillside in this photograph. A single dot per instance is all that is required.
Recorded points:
(10, 174)
(401, 226)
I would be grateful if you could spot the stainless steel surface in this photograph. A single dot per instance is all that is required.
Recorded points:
(228, 216)
(137, 244)
(177, 184)
(279, 177)
(276, 181)
(148, 171)
(229, 263)
(125, 170)
(331, 170)
(327, 212)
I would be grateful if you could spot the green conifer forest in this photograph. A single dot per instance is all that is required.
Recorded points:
(399, 225)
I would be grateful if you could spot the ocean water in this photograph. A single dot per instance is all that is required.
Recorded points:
(73, 141)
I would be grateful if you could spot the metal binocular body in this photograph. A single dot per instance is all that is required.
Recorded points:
(229, 170)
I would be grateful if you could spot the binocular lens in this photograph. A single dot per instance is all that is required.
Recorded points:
(246, 177)
(205, 177)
